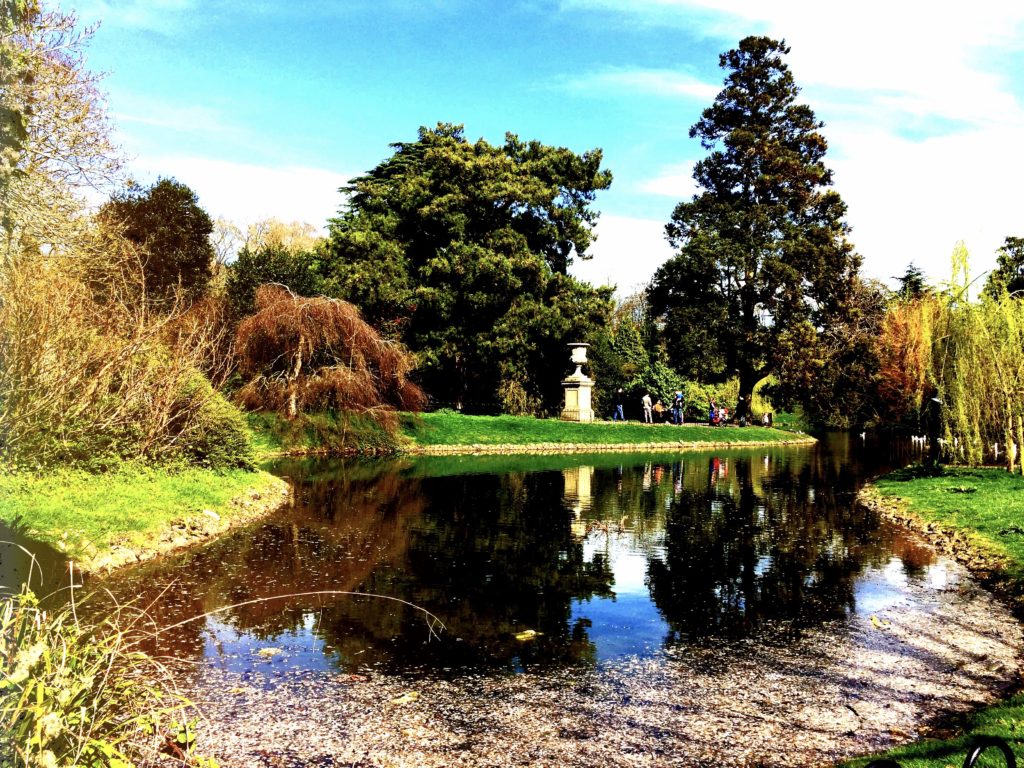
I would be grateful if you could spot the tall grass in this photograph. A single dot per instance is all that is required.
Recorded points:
(78, 693)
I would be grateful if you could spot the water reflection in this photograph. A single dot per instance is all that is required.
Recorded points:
(534, 561)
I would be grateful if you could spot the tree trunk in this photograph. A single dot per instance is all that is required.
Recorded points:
(748, 380)
(293, 409)
(1020, 439)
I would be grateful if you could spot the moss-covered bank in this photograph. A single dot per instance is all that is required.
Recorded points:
(136, 512)
(977, 517)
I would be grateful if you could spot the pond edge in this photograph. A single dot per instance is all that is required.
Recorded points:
(512, 448)
(195, 529)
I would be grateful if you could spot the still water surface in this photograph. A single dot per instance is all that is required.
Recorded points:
(539, 562)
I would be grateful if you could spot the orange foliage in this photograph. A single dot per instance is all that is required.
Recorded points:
(904, 352)
(304, 354)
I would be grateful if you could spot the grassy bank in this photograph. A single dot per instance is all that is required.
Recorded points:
(450, 428)
(984, 508)
(319, 433)
(135, 508)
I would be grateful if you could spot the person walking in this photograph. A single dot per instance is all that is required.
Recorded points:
(648, 405)
(620, 403)
(677, 407)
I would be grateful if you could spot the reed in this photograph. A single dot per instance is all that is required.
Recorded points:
(81, 693)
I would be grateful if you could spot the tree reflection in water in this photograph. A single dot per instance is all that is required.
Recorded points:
(730, 544)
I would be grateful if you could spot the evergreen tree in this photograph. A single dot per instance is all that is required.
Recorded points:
(762, 248)
(172, 231)
(460, 249)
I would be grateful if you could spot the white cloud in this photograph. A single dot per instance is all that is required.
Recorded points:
(922, 120)
(675, 181)
(246, 193)
(663, 82)
(626, 254)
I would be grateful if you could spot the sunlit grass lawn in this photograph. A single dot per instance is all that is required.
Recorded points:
(989, 504)
(82, 509)
(450, 428)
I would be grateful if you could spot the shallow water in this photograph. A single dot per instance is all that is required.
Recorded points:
(727, 605)
(536, 562)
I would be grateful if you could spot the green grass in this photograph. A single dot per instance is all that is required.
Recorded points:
(450, 428)
(988, 504)
(86, 513)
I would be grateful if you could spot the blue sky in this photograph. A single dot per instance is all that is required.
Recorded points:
(266, 108)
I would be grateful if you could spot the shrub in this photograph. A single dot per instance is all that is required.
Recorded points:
(216, 435)
(304, 355)
(73, 694)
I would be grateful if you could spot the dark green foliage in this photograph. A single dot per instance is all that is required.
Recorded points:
(1009, 272)
(762, 248)
(833, 372)
(460, 250)
(172, 231)
(296, 270)
(912, 284)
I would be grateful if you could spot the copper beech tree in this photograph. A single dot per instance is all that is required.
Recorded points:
(306, 354)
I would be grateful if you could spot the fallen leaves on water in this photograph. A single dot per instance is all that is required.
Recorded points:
(879, 623)
(407, 698)
(268, 653)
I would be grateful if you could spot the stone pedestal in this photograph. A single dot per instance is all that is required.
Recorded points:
(578, 389)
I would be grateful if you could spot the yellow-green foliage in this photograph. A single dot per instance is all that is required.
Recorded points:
(979, 367)
(73, 694)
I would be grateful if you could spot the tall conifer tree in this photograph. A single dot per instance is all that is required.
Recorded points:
(763, 256)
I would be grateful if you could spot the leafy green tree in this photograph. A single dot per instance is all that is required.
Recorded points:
(460, 250)
(274, 263)
(762, 249)
(834, 372)
(1008, 275)
(172, 231)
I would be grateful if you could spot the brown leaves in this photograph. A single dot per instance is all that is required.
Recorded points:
(308, 354)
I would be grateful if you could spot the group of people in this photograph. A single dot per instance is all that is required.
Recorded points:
(656, 411)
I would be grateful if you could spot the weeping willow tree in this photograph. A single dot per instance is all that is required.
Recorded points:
(306, 354)
(978, 366)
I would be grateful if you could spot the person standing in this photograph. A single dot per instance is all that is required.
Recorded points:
(648, 405)
(620, 403)
(677, 407)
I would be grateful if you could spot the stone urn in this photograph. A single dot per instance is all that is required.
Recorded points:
(578, 387)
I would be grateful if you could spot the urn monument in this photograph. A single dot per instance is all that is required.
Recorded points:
(578, 388)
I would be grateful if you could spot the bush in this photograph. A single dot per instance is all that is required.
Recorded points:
(89, 379)
(310, 355)
(216, 436)
(74, 694)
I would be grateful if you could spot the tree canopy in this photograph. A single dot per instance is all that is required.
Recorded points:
(1008, 275)
(172, 231)
(460, 250)
(763, 253)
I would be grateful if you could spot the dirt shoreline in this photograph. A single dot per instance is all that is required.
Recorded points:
(987, 566)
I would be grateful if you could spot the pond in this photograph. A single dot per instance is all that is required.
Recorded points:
(574, 610)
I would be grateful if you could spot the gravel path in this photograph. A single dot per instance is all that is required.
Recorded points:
(839, 690)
